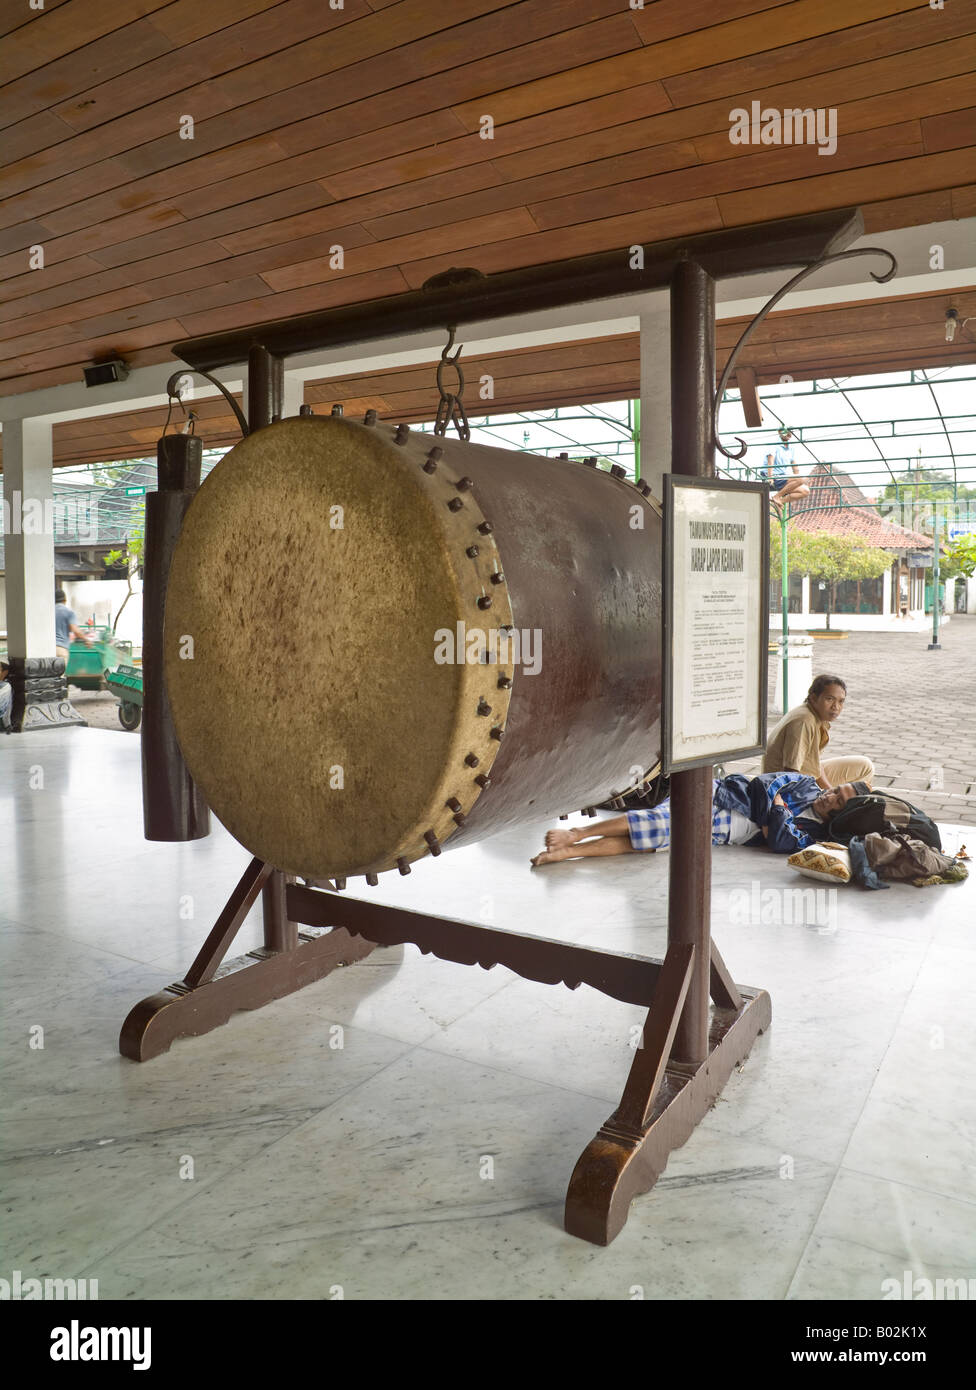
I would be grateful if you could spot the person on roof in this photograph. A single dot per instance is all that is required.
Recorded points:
(785, 487)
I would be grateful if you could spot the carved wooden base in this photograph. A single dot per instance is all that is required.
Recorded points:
(623, 1161)
(662, 1101)
(180, 1011)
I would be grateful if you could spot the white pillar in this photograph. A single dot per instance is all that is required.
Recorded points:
(28, 515)
(655, 395)
(293, 395)
(805, 596)
(886, 594)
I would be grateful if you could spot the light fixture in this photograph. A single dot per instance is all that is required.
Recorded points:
(952, 319)
(104, 373)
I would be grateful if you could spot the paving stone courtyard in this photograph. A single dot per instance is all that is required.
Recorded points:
(910, 710)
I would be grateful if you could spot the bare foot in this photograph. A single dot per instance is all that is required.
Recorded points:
(562, 839)
(550, 856)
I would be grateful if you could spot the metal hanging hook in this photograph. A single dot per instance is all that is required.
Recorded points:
(174, 394)
(450, 407)
(770, 304)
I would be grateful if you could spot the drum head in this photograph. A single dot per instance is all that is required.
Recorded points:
(318, 687)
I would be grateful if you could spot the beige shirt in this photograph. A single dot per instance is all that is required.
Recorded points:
(795, 743)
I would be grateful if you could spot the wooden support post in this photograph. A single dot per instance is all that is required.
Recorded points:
(279, 933)
(690, 869)
(265, 386)
(688, 1051)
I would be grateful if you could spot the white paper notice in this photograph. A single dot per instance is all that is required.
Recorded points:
(717, 606)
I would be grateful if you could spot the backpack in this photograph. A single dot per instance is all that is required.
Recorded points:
(899, 856)
(881, 814)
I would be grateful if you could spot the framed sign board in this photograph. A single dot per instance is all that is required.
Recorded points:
(716, 620)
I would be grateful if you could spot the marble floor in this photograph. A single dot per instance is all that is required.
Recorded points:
(428, 1155)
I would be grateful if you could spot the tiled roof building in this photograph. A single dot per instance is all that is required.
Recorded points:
(836, 505)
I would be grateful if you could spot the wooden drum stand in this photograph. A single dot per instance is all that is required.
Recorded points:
(699, 1024)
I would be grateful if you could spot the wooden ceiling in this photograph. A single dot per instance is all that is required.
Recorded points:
(360, 127)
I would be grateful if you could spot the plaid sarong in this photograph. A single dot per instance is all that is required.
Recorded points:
(652, 829)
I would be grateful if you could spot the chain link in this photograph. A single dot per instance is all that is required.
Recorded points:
(450, 407)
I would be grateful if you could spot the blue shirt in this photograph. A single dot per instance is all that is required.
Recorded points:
(790, 827)
(63, 618)
(782, 458)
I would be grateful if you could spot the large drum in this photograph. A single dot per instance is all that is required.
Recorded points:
(378, 643)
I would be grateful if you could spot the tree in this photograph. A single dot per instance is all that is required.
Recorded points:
(110, 474)
(835, 558)
(798, 552)
(131, 554)
(959, 557)
(934, 484)
(922, 504)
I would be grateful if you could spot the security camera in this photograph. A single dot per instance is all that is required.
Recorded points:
(104, 373)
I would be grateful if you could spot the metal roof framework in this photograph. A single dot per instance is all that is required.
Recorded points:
(875, 429)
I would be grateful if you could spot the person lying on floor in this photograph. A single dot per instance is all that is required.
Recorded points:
(783, 811)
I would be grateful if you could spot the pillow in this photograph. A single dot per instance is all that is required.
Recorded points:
(828, 862)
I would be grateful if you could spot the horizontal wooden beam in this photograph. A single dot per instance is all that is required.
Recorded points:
(631, 979)
(777, 245)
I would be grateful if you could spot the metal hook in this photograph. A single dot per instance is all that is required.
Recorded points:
(770, 304)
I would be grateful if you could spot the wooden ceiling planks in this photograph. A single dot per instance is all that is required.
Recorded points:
(892, 179)
(77, 25)
(428, 88)
(895, 64)
(360, 127)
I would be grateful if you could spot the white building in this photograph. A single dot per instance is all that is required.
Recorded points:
(896, 601)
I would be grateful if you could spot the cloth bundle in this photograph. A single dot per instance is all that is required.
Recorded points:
(899, 857)
(870, 860)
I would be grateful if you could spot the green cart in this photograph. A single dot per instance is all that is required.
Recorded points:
(89, 663)
(126, 683)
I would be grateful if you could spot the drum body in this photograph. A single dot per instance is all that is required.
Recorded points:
(378, 643)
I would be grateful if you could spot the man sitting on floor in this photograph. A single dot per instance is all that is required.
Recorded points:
(797, 740)
(783, 811)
